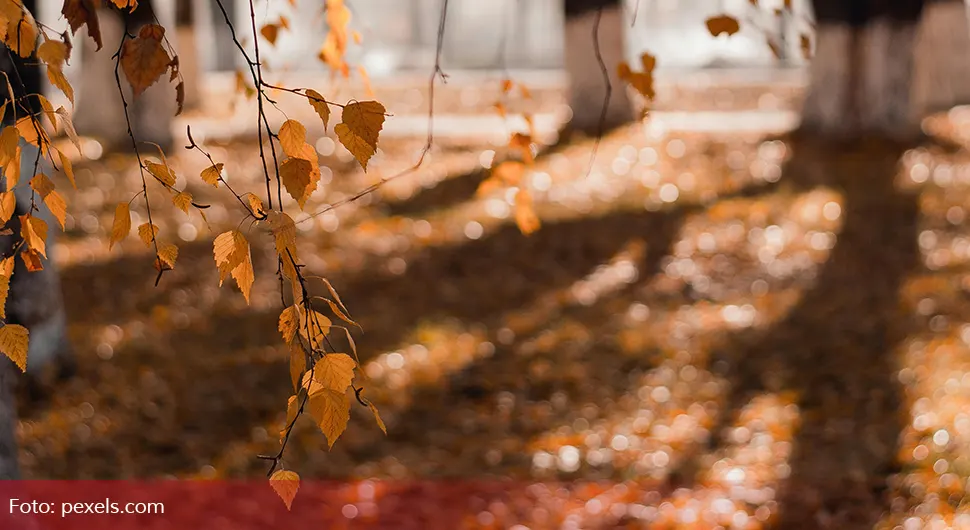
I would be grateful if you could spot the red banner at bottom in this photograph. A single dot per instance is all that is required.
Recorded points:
(253, 505)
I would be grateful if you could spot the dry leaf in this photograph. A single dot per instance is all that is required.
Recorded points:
(147, 233)
(320, 105)
(642, 82)
(83, 12)
(13, 344)
(377, 417)
(122, 224)
(295, 173)
(68, 125)
(289, 321)
(359, 129)
(335, 371)
(34, 231)
(212, 174)
(285, 484)
(270, 32)
(723, 24)
(6, 272)
(162, 173)
(255, 205)
(31, 260)
(167, 254)
(331, 411)
(182, 201)
(292, 137)
(144, 59)
(8, 205)
(67, 167)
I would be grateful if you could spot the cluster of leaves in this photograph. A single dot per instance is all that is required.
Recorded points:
(321, 376)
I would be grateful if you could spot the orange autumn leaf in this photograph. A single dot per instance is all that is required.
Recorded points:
(144, 59)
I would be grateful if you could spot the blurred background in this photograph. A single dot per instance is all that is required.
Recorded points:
(714, 327)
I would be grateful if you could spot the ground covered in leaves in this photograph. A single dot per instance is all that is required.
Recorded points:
(706, 331)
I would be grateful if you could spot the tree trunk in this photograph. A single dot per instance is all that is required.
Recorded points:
(942, 69)
(188, 49)
(861, 76)
(99, 111)
(587, 86)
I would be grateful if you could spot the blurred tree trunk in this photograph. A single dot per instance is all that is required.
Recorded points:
(861, 77)
(942, 68)
(587, 87)
(35, 299)
(188, 45)
(99, 111)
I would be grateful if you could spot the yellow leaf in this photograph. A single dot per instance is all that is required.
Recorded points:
(143, 58)
(284, 234)
(12, 170)
(147, 233)
(34, 231)
(6, 272)
(244, 275)
(232, 256)
(227, 251)
(52, 52)
(57, 206)
(320, 105)
(377, 416)
(295, 173)
(122, 4)
(255, 205)
(292, 137)
(297, 364)
(525, 217)
(122, 224)
(67, 167)
(289, 321)
(13, 344)
(723, 24)
(83, 12)
(335, 371)
(31, 131)
(8, 205)
(359, 129)
(319, 326)
(68, 126)
(331, 411)
(285, 484)
(42, 185)
(167, 254)
(21, 31)
(182, 201)
(270, 32)
(642, 82)
(162, 173)
(58, 79)
(31, 260)
(9, 138)
(48, 109)
(212, 174)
